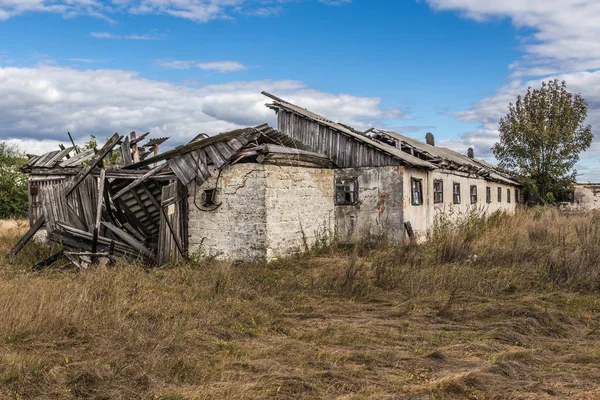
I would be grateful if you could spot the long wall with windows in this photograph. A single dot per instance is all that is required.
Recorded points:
(429, 193)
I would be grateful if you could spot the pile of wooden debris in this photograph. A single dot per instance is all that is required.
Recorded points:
(137, 208)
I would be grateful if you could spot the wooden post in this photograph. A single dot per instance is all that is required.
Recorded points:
(73, 143)
(134, 147)
(100, 199)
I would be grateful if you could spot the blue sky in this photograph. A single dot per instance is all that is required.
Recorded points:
(179, 67)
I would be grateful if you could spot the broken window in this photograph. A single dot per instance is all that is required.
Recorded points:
(473, 194)
(416, 191)
(438, 191)
(346, 191)
(488, 194)
(508, 195)
(208, 197)
(456, 193)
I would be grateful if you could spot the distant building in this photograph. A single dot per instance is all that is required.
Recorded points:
(585, 197)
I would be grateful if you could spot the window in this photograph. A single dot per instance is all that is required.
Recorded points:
(438, 191)
(473, 194)
(456, 193)
(508, 195)
(488, 195)
(416, 191)
(516, 196)
(208, 197)
(346, 191)
(499, 195)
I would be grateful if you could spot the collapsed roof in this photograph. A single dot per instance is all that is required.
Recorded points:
(407, 151)
(95, 211)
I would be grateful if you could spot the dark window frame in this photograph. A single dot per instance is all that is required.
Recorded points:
(499, 195)
(438, 195)
(346, 191)
(456, 193)
(488, 194)
(209, 197)
(473, 196)
(415, 184)
(508, 195)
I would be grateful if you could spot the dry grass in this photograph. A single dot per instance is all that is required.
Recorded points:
(500, 309)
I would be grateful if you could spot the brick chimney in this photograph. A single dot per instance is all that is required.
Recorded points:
(429, 139)
(471, 153)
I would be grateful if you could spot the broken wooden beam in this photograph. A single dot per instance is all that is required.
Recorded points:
(99, 201)
(48, 261)
(139, 180)
(95, 161)
(130, 240)
(27, 237)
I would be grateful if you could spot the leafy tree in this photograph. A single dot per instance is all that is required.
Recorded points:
(13, 183)
(541, 138)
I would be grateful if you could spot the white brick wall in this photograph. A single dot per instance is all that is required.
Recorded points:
(237, 229)
(263, 209)
(298, 201)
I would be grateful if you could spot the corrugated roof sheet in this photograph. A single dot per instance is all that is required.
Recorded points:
(443, 157)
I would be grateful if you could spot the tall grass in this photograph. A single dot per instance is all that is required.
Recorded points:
(130, 332)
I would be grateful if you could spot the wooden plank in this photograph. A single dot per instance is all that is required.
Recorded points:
(48, 261)
(73, 260)
(27, 237)
(183, 166)
(236, 144)
(86, 198)
(202, 164)
(134, 147)
(130, 240)
(249, 133)
(78, 158)
(144, 208)
(107, 148)
(62, 147)
(215, 156)
(98, 209)
(126, 152)
(136, 140)
(139, 180)
(225, 150)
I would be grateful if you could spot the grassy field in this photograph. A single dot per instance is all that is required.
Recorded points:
(507, 308)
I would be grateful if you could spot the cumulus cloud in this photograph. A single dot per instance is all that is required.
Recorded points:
(560, 42)
(216, 66)
(39, 105)
(564, 34)
(195, 10)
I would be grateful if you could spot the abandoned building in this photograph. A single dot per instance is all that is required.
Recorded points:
(585, 197)
(255, 193)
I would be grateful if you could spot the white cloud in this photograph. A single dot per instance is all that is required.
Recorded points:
(147, 36)
(564, 34)
(39, 105)
(216, 66)
(563, 44)
(195, 10)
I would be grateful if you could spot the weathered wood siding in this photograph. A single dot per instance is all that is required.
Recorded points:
(345, 151)
(172, 240)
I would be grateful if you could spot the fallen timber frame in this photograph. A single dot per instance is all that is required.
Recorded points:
(140, 210)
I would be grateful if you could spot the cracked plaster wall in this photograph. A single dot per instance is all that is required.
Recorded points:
(379, 209)
(266, 211)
